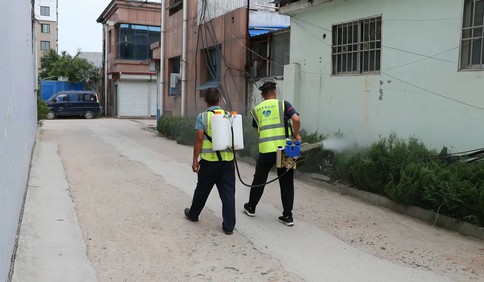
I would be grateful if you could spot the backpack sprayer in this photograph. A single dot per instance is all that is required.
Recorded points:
(292, 155)
(227, 134)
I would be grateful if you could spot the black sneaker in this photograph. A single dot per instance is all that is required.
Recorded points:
(228, 232)
(287, 220)
(250, 211)
(187, 215)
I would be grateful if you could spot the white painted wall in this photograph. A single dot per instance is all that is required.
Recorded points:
(268, 18)
(352, 105)
(216, 8)
(52, 4)
(17, 120)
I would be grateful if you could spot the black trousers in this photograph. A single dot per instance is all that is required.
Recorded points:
(221, 174)
(265, 162)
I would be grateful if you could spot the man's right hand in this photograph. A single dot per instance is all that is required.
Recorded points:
(195, 166)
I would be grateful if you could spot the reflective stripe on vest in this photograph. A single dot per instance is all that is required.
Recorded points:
(269, 116)
(207, 153)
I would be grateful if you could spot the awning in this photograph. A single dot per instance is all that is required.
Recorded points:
(258, 30)
(209, 84)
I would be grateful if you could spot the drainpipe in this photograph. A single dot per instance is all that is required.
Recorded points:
(106, 27)
(161, 73)
(184, 57)
(247, 62)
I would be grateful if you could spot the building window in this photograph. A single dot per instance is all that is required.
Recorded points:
(44, 45)
(213, 63)
(472, 45)
(109, 42)
(45, 11)
(45, 28)
(269, 55)
(259, 58)
(279, 53)
(357, 47)
(135, 40)
(174, 6)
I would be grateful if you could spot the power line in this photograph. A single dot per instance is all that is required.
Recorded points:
(422, 55)
(262, 57)
(383, 46)
(430, 57)
(422, 20)
(382, 72)
(425, 58)
(320, 27)
(327, 44)
(432, 92)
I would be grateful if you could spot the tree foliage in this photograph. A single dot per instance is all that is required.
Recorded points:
(47, 63)
(74, 68)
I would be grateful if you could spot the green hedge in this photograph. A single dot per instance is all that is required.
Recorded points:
(42, 109)
(405, 171)
(180, 129)
(410, 174)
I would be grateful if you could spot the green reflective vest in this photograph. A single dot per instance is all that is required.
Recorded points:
(269, 116)
(207, 153)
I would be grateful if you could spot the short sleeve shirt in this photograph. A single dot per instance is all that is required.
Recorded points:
(199, 123)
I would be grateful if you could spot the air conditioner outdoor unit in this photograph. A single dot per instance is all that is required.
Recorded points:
(175, 82)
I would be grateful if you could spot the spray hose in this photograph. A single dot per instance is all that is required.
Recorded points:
(238, 172)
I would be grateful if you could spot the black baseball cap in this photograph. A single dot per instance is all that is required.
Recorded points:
(268, 85)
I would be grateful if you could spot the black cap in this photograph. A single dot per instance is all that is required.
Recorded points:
(267, 86)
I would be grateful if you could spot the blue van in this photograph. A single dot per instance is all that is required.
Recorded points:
(74, 103)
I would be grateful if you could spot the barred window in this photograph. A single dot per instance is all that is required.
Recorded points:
(357, 47)
(472, 44)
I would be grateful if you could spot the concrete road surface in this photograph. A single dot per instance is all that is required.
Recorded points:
(105, 203)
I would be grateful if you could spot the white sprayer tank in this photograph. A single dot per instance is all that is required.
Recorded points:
(222, 134)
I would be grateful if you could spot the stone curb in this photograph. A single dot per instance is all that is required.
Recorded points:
(430, 217)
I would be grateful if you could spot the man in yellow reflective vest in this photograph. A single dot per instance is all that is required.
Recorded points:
(272, 119)
(214, 167)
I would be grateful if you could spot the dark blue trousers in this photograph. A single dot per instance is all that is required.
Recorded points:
(221, 174)
(265, 162)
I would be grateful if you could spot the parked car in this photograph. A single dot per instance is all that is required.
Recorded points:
(74, 103)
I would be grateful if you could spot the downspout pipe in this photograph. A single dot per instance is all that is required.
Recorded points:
(247, 61)
(161, 73)
(184, 58)
(106, 34)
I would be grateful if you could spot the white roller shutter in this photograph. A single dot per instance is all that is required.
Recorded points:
(136, 98)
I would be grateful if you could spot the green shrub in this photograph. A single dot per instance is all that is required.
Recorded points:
(457, 190)
(181, 129)
(408, 173)
(42, 109)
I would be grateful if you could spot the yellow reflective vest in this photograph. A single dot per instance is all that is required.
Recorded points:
(207, 153)
(269, 116)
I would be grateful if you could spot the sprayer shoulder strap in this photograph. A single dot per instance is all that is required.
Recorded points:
(209, 138)
(219, 156)
(287, 124)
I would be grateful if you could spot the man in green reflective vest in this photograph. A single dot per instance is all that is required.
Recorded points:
(214, 167)
(272, 119)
